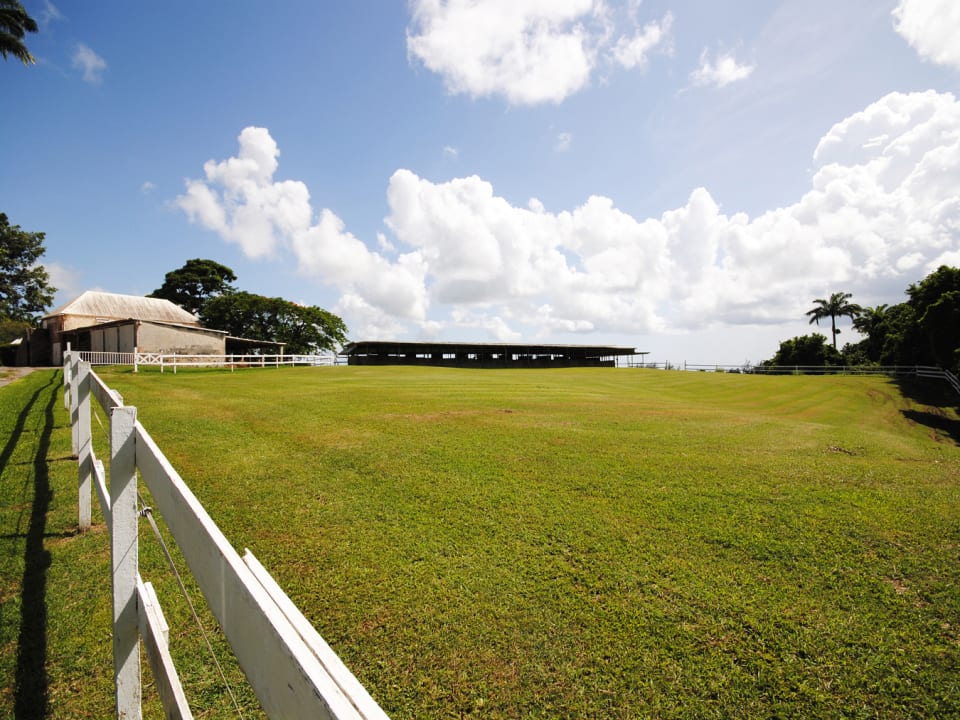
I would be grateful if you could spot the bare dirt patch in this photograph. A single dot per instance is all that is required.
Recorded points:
(9, 374)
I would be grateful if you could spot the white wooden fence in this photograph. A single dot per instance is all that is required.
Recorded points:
(922, 371)
(292, 670)
(174, 360)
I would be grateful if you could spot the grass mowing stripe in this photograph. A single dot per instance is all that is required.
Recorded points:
(581, 543)
(572, 543)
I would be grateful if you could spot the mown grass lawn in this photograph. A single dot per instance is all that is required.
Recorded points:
(538, 544)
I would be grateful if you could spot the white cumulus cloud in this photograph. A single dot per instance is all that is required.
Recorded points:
(527, 51)
(634, 52)
(932, 27)
(240, 200)
(882, 210)
(722, 71)
(876, 214)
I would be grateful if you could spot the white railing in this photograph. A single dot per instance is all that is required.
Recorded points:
(175, 360)
(923, 371)
(98, 357)
(293, 672)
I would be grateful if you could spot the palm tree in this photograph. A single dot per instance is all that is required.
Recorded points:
(14, 23)
(870, 319)
(836, 306)
(872, 322)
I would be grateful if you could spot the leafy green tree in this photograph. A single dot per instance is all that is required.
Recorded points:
(836, 306)
(305, 329)
(856, 354)
(196, 282)
(900, 336)
(24, 285)
(10, 330)
(14, 24)
(871, 322)
(806, 350)
(926, 292)
(936, 305)
(940, 326)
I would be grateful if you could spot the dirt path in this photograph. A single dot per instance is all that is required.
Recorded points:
(9, 374)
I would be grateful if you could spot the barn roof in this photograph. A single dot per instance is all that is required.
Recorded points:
(388, 346)
(122, 307)
(461, 354)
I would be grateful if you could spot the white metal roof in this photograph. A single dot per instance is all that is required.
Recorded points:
(104, 305)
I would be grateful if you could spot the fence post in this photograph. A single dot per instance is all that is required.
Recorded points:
(74, 407)
(124, 560)
(135, 367)
(85, 476)
(66, 378)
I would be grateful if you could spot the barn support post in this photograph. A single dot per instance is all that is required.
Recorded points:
(124, 560)
(85, 471)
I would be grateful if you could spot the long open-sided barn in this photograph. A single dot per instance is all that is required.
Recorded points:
(483, 355)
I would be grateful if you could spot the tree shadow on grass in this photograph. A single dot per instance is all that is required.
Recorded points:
(940, 403)
(929, 391)
(941, 425)
(31, 688)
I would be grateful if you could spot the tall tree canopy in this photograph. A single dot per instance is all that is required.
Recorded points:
(871, 322)
(899, 336)
(14, 24)
(806, 351)
(936, 305)
(836, 306)
(25, 289)
(304, 328)
(195, 283)
(924, 330)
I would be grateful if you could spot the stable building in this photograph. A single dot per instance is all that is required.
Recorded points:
(483, 355)
(110, 322)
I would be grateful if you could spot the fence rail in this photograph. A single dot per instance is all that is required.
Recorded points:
(175, 360)
(293, 672)
(922, 371)
(940, 374)
(915, 370)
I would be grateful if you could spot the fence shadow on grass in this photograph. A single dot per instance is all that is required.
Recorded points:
(939, 398)
(31, 688)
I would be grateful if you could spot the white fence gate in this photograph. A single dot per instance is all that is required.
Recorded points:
(292, 670)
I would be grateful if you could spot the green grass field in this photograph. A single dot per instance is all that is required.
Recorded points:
(525, 544)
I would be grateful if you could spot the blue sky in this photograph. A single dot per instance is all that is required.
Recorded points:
(683, 176)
